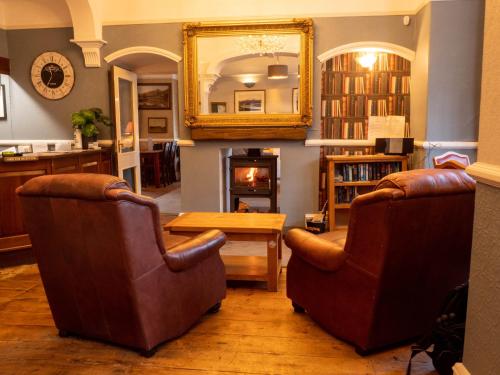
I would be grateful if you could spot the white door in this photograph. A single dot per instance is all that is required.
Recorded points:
(127, 126)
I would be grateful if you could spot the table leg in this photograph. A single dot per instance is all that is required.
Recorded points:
(280, 251)
(272, 263)
(157, 171)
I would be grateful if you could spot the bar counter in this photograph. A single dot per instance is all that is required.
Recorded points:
(18, 170)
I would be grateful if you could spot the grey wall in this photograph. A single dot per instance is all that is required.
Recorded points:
(202, 177)
(34, 117)
(455, 70)
(419, 74)
(483, 315)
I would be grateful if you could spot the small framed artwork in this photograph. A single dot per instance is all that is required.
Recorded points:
(155, 95)
(3, 103)
(157, 125)
(253, 101)
(295, 100)
(218, 107)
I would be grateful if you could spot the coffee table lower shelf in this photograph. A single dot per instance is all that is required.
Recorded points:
(249, 268)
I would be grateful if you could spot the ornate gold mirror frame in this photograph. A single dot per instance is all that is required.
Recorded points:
(248, 126)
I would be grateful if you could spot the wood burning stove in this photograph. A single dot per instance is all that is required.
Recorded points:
(253, 176)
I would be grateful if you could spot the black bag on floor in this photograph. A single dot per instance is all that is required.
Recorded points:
(447, 334)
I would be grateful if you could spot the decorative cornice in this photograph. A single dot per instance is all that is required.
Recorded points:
(486, 173)
(91, 50)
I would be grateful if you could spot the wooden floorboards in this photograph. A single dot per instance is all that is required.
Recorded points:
(255, 332)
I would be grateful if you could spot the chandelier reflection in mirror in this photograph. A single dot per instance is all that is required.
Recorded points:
(262, 44)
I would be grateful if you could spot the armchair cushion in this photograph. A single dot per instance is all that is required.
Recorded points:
(429, 182)
(88, 186)
(191, 252)
(322, 254)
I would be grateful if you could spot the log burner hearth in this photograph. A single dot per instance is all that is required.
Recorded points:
(253, 176)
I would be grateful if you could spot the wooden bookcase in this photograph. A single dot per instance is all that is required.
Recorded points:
(359, 175)
(351, 93)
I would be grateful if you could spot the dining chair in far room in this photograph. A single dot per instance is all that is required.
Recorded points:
(108, 272)
(165, 170)
(173, 156)
(451, 160)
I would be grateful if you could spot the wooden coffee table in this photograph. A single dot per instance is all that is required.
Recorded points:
(240, 227)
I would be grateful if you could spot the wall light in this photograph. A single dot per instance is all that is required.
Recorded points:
(367, 60)
(248, 81)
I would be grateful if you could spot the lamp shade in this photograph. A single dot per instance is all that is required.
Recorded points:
(277, 71)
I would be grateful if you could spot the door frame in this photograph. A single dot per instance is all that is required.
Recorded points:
(129, 159)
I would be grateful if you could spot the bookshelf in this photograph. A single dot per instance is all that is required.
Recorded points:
(351, 93)
(353, 175)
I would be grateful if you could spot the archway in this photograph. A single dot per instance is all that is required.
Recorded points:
(157, 73)
(368, 46)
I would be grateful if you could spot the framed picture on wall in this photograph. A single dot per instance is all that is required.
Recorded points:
(155, 95)
(3, 103)
(295, 100)
(218, 107)
(157, 125)
(250, 101)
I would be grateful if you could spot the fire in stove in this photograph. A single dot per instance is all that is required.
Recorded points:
(252, 177)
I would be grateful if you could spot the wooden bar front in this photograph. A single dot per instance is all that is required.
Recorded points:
(16, 173)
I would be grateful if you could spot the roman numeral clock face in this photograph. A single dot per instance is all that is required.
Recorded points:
(52, 75)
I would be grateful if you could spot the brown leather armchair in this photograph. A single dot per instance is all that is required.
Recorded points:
(408, 244)
(104, 265)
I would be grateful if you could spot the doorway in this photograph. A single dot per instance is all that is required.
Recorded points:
(158, 122)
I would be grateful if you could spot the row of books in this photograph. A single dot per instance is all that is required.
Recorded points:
(375, 83)
(346, 106)
(384, 62)
(361, 106)
(365, 171)
(345, 194)
(336, 128)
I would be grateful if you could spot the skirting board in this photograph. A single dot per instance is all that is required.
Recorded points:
(486, 173)
(459, 369)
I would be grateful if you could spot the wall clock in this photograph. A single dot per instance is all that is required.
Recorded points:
(52, 75)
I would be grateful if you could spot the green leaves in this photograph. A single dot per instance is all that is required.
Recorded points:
(89, 130)
(86, 120)
(77, 120)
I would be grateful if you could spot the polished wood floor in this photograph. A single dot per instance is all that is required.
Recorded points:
(256, 332)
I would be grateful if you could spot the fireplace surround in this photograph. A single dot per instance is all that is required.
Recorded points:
(253, 176)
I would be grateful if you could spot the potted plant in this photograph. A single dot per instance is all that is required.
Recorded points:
(86, 121)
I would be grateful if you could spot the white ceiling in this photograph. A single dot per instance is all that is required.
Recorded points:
(15, 14)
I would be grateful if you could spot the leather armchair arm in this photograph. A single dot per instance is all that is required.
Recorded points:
(320, 253)
(189, 253)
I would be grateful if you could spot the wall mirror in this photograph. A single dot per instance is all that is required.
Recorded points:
(248, 80)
